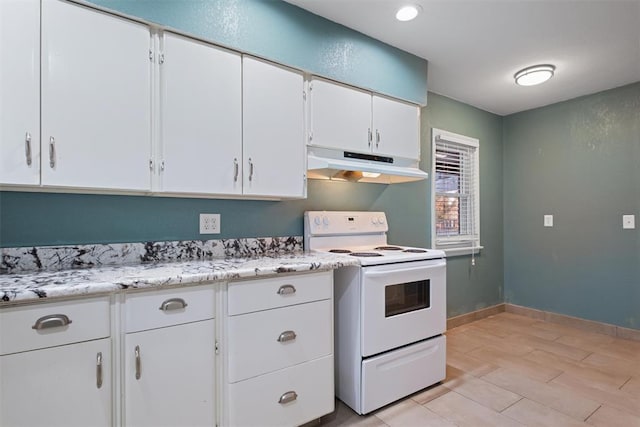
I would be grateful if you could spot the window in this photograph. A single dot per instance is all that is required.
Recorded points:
(456, 201)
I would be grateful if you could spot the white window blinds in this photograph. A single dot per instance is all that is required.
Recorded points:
(455, 191)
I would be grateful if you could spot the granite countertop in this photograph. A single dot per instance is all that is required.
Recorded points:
(33, 286)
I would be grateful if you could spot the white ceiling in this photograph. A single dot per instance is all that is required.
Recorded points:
(474, 47)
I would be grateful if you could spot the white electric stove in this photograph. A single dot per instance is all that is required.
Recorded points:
(390, 312)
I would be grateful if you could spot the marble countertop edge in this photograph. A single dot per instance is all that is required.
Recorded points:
(48, 285)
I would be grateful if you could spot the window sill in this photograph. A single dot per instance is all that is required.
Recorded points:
(462, 251)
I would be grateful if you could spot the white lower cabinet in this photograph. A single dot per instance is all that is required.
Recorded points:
(169, 376)
(169, 358)
(288, 397)
(279, 359)
(55, 365)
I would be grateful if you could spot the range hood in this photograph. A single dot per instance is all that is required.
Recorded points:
(339, 165)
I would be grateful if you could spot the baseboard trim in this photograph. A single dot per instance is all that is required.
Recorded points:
(575, 322)
(463, 319)
(548, 316)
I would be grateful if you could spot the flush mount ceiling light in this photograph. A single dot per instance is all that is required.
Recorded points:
(407, 13)
(534, 75)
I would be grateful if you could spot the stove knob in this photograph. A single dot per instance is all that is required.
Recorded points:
(317, 220)
(325, 220)
(374, 221)
(381, 220)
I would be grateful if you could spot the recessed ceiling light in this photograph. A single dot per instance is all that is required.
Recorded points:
(534, 75)
(407, 13)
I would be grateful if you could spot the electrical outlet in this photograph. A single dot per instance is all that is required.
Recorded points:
(209, 223)
(629, 221)
(548, 220)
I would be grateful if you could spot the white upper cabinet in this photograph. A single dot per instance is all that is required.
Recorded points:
(397, 128)
(350, 119)
(340, 117)
(273, 130)
(96, 99)
(20, 92)
(201, 118)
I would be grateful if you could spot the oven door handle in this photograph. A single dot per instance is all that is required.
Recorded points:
(402, 270)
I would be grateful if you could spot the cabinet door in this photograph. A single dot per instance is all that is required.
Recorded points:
(340, 117)
(201, 118)
(273, 130)
(96, 99)
(57, 386)
(397, 128)
(20, 92)
(176, 380)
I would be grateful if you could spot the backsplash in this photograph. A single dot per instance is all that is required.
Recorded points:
(25, 259)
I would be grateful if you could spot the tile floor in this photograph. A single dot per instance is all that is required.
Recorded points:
(511, 370)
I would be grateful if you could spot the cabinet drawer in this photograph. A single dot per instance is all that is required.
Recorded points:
(155, 309)
(256, 295)
(57, 323)
(256, 402)
(282, 337)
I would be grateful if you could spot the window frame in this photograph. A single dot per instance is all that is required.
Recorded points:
(453, 247)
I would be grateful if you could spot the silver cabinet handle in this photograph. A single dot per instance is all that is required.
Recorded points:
(250, 169)
(377, 138)
(370, 137)
(287, 336)
(138, 362)
(52, 152)
(287, 397)
(27, 148)
(99, 370)
(173, 304)
(286, 290)
(235, 170)
(51, 321)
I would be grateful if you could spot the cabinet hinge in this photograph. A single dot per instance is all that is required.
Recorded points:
(310, 86)
(310, 136)
(161, 58)
(151, 164)
(150, 55)
(304, 95)
(217, 347)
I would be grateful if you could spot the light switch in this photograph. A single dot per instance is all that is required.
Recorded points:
(548, 220)
(628, 221)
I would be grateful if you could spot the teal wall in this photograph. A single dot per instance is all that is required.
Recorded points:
(470, 287)
(580, 161)
(288, 34)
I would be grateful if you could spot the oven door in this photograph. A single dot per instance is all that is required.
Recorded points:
(402, 303)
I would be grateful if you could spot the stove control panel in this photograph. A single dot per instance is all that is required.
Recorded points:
(338, 222)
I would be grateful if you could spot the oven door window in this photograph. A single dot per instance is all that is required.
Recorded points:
(406, 297)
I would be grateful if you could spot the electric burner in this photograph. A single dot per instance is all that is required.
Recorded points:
(388, 248)
(340, 251)
(365, 254)
(415, 251)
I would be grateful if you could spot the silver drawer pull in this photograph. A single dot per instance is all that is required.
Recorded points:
(287, 336)
(138, 362)
(235, 170)
(173, 304)
(287, 397)
(52, 152)
(99, 370)
(27, 148)
(51, 321)
(286, 290)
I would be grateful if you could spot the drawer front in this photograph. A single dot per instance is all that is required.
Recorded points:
(156, 309)
(256, 402)
(282, 337)
(255, 295)
(56, 323)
